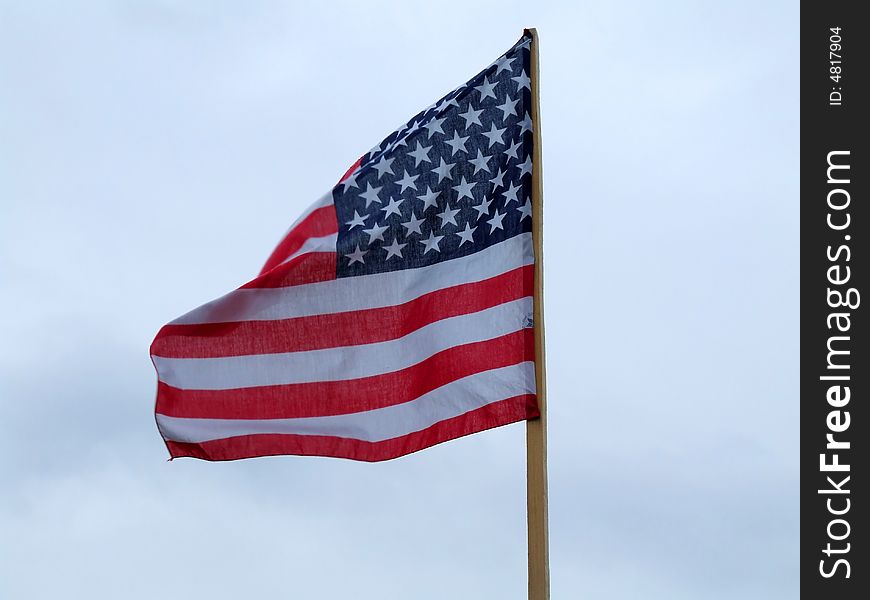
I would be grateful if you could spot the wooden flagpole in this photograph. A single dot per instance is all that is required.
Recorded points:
(536, 430)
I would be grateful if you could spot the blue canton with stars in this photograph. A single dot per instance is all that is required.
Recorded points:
(453, 180)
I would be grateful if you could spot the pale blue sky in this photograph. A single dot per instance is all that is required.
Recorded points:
(152, 153)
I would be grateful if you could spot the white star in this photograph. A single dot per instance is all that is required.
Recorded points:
(412, 225)
(357, 221)
(429, 198)
(392, 208)
(350, 182)
(466, 234)
(481, 162)
(432, 242)
(526, 167)
(486, 89)
(448, 215)
(384, 165)
(457, 143)
(495, 221)
(407, 182)
(432, 125)
(443, 170)
(498, 180)
(376, 232)
(415, 125)
(523, 81)
(482, 209)
(394, 249)
(371, 194)
(525, 124)
(445, 103)
(401, 140)
(509, 194)
(421, 153)
(356, 256)
(509, 107)
(512, 151)
(525, 210)
(463, 190)
(471, 117)
(494, 135)
(504, 64)
(375, 150)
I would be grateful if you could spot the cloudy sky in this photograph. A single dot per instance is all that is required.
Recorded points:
(152, 153)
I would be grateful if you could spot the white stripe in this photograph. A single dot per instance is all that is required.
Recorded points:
(368, 291)
(451, 400)
(324, 200)
(315, 244)
(347, 362)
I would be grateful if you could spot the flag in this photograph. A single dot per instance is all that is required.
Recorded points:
(395, 314)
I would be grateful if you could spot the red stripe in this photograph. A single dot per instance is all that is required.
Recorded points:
(352, 328)
(354, 395)
(511, 410)
(310, 267)
(318, 223)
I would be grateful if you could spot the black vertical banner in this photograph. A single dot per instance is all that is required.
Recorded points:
(835, 371)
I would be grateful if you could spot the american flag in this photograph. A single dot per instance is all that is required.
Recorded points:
(395, 314)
